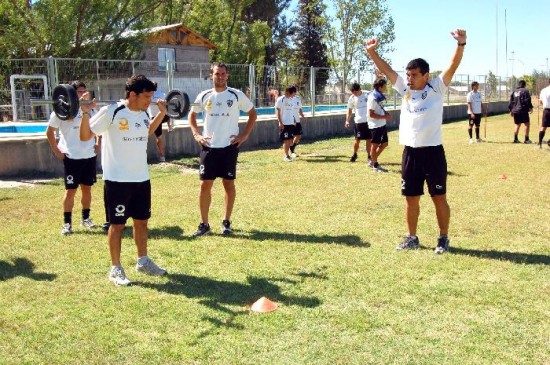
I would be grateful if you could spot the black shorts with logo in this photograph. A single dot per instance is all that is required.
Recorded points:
(286, 133)
(218, 162)
(298, 129)
(476, 120)
(362, 131)
(521, 117)
(379, 135)
(81, 171)
(125, 200)
(546, 117)
(423, 164)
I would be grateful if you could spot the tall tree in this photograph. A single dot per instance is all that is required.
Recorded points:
(310, 49)
(354, 22)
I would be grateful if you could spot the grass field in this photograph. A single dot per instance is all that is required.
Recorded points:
(318, 237)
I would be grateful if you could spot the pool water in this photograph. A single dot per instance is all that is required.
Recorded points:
(32, 128)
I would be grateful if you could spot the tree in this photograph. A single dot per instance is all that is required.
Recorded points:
(492, 84)
(310, 49)
(354, 22)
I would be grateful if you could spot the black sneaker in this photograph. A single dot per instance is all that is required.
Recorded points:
(105, 227)
(226, 227)
(516, 141)
(353, 158)
(442, 244)
(409, 243)
(528, 141)
(202, 230)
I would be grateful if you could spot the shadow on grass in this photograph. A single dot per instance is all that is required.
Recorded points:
(320, 158)
(349, 240)
(516, 257)
(22, 267)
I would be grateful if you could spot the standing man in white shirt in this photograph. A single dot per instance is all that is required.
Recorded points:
(79, 162)
(220, 141)
(420, 131)
(357, 105)
(475, 111)
(125, 128)
(298, 113)
(376, 118)
(544, 100)
(285, 116)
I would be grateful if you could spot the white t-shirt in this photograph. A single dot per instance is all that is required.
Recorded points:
(286, 105)
(221, 111)
(69, 137)
(421, 113)
(378, 108)
(474, 98)
(545, 97)
(124, 145)
(359, 106)
(296, 106)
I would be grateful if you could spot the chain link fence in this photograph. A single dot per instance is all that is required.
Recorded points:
(23, 81)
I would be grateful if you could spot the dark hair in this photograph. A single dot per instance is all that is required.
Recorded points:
(474, 83)
(292, 89)
(379, 84)
(77, 83)
(218, 64)
(521, 83)
(139, 84)
(419, 63)
(355, 87)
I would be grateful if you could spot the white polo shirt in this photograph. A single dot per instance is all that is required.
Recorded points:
(474, 98)
(421, 113)
(545, 97)
(124, 145)
(286, 106)
(296, 106)
(69, 137)
(221, 113)
(359, 106)
(378, 108)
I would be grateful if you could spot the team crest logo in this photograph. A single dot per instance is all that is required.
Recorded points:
(229, 102)
(424, 95)
(146, 122)
(123, 124)
(208, 105)
(138, 125)
(219, 103)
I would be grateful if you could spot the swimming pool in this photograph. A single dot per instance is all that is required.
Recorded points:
(24, 128)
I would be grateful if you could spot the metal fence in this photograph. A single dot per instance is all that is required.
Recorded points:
(24, 80)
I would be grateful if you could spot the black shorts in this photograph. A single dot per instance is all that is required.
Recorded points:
(362, 131)
(476, 120)
(521, 117)
(546, 117)
(125, 200)
(158, 131)
(298, 129)
(286, 133)
(379, 135)
(218, 162)
(423, 164)
(82, 171)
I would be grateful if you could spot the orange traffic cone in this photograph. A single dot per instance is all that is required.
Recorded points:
(503, 177)
(263, 305)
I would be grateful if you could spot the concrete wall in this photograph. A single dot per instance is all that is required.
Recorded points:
(33, 157)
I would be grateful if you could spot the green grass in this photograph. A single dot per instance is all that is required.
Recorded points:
(317, 236)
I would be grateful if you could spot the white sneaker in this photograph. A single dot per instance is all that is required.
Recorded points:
(471, 141)
(87, 223)
(287, 159)
(66, 229)
(294, 155)
(150, 268)
(370, 163)
(162, 159)
(118, 276)
(379, 169)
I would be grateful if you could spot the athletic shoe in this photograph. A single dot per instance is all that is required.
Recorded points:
(379, 169)
(162, 159)
(409, 243)
(353, 158)
(88, 223)
(479, 140)
(287, 159)
(226, 227)
(294, 155)
(202, 230)
(442, 244)
(528, 141)
(516, 141)
(539, 146)
(66, 229)
(118, 276)
(471, 140)
(150, 268)
(105, 227)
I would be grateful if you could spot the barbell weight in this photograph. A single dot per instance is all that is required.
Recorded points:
(66, 104)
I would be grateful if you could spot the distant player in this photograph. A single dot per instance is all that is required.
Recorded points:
(544, 100)
(357, 105)
(298, 113)
(474, 100)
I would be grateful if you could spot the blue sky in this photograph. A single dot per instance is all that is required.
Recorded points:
(422, 30)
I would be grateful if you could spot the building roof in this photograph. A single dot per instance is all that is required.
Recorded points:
(172, 34)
